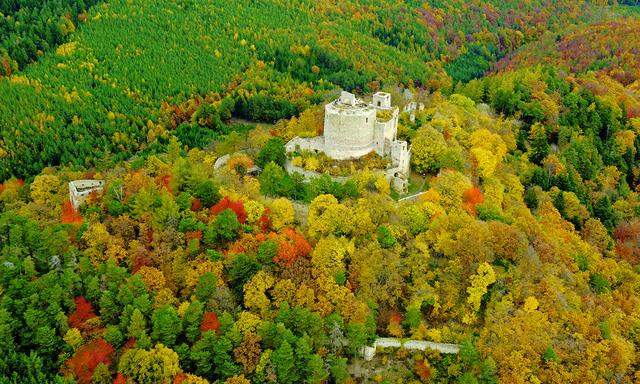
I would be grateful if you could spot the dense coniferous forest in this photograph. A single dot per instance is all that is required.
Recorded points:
(519, 242)
(101, 93)
(29, 28)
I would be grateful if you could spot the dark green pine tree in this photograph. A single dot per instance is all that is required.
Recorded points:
(284, 364)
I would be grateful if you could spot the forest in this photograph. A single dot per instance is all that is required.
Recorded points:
(523, 247)
(99, 94)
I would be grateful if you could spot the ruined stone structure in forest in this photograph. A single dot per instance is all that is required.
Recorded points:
(79, 190)
(354, 128)
(412, 345)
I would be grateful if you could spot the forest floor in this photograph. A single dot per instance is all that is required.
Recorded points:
(367, 371)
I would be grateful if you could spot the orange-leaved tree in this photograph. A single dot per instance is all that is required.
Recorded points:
(291, 246)
(472, 197)
(69, 214)
(210, 322)
(86, 359)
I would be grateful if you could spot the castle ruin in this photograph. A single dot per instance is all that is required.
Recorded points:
(354, 128)
(79, 190)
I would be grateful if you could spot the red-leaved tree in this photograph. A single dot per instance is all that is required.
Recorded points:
(196, 204)
(264, 222)
(86, 359)
(190, 235)
(180, 378)
(236, 206)
(69, 214)
(165, 181)
(627, 236)
(83, 312)
(210, 322)
(422, 370)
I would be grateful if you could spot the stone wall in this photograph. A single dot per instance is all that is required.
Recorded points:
(79, 190)
(419, 345)
(394, 176)
(400, 156)
(308, 175)
(381, 100)
(312, 144)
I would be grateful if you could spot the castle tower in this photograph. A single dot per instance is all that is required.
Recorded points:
(386, 126)
(382, 100)
(349, 125)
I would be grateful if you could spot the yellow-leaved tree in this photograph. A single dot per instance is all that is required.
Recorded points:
(158, 365)
(488, 150)
(427, 149)
(328, 256)
(282, 213)
(327, 216)
(46, 190)
(480, 282)
(255, 296)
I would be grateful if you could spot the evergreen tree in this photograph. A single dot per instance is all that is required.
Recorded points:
(603, 210)
(137, 325)
(192, 319)
(284, 364)
(206, 287)
(166, 325)
(273, 151)
(539, 143)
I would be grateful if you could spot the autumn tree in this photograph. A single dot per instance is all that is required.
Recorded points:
(248, 352)
(255, 291)
(328, 216)
(479, 283)
(82, 313)
(282, 213)
(291, 246)
(158, 365)
(210, 322)
(328, 257)
(427, 150)
(236, 206)
(88, 357)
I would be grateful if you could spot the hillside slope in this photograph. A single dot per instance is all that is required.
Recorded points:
(177, 269)
(100, 94)
(602, 57)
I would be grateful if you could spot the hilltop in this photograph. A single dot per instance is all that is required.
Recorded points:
(210, 273)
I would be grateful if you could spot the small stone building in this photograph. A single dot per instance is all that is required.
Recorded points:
(354, 128)
(79, 190)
